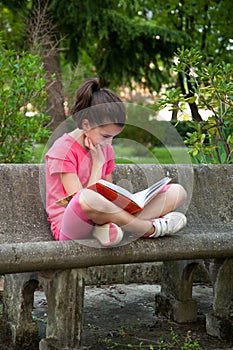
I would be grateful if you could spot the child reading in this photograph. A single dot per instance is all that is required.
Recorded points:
(82, 157)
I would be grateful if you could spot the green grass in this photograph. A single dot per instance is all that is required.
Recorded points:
(158, 155)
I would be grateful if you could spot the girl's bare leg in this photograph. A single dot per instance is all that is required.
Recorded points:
(100, 211)
(164, 203)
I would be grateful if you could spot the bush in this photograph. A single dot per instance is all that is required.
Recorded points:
(182, 127)
(211, 89)
(22, 85)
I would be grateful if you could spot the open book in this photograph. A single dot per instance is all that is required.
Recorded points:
(131, 202)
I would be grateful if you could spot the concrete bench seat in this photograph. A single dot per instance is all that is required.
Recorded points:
(29, 256)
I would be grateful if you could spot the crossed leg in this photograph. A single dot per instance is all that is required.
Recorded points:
(101, 211)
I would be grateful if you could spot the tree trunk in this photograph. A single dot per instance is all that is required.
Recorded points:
(193, 106)
(55, 103)
(175, 112)
(194, 110)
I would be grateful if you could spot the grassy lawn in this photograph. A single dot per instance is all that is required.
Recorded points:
(159, 155)
(132, 155)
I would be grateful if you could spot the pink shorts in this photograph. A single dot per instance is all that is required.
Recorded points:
(75, 222)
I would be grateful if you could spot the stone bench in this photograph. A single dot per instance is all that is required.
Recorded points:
(29, 256)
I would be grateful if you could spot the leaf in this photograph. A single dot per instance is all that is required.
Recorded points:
(195, 152)
(191, 99)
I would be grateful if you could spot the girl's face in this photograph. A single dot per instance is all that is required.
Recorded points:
(101, 135)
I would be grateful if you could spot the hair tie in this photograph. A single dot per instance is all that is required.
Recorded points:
(95, 87)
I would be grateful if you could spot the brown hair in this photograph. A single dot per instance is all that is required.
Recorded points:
(99, 106)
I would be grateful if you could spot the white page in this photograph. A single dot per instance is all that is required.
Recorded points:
(142, 197)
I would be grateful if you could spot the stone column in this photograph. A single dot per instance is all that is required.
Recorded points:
(18, 298)
(64, 291)
(219, 322)
(175, 301)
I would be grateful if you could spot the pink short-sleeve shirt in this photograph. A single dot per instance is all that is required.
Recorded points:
(68, 156)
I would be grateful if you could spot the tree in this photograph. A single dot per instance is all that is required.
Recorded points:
(121, 48)
(136, 40)
(42, 39)
(208, 25)
(144, 36)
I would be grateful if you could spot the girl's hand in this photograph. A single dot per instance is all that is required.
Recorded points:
(95, 151)
(88, 143)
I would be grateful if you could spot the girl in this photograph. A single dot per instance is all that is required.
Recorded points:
(82, 157)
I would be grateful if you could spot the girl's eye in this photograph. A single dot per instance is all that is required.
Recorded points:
(107, 136)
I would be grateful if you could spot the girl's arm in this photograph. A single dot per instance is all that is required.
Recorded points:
(71, 182)
(98, 161)
(108, 177)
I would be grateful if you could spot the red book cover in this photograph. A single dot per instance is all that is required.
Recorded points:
(120, 200)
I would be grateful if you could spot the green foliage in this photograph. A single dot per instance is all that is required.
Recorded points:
(183, 127)
(129, 40)
(12, 25)
(22, 82)
(131, 48)
(74, 75)
(120, 44)
(174, 343)
(207, 24)
(212, 88)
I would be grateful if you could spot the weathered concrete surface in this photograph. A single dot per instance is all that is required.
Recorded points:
(211, 210)
(208, 234)
(219, 321)
(67, 286)
(39, 256)
(129, 273)
(22, 213)
(22, 327)
(209, 207)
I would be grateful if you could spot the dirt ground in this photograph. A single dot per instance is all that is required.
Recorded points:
(122, 317)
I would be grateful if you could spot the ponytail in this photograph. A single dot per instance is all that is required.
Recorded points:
(108, 106)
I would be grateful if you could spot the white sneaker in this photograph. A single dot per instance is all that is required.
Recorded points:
(168, 224)
(108, 235)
